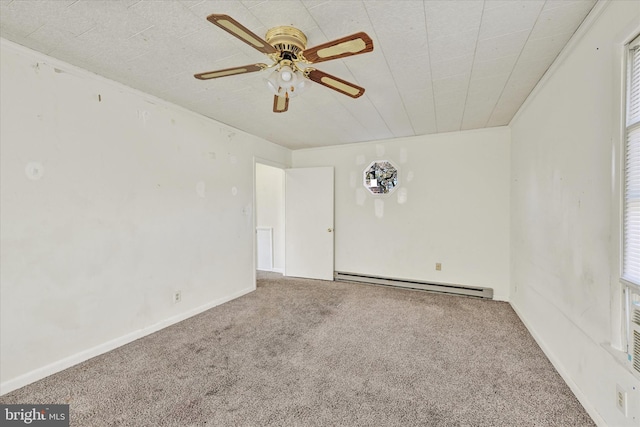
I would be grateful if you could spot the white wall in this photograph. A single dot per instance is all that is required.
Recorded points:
(270, 208)
(108, 206)
(451, 207)
(562, 213)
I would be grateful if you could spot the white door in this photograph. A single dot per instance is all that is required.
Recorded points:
(309, 223)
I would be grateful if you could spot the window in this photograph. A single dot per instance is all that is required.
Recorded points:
(631, 223)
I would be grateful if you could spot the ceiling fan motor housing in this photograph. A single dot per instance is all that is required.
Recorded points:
(288, 41)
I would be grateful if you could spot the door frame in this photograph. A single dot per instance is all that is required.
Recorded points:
(266, 162)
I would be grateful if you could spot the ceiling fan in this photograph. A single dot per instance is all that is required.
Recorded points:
(287, 48)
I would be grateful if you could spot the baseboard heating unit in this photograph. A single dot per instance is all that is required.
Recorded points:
(446, 288)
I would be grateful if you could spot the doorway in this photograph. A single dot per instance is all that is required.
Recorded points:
(270, 218)
(294, 220)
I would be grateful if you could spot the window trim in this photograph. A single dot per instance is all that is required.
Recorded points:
(634, 44)
(625, 286)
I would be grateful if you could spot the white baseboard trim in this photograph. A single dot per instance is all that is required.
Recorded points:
(67, 362)
(593, 413)
(272, 270)
(500, 297)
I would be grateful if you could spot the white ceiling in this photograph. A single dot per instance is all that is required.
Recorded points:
(437, 66)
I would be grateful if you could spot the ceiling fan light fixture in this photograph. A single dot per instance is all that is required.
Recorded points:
(302, 85)
(272, 82)
(286, 76)
(287, 82)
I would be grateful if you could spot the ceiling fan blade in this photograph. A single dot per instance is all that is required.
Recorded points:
(234, 28)
(354, 44)
(335, 83)
(280, 104)
(230, 71)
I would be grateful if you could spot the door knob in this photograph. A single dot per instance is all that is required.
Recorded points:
(329, 230)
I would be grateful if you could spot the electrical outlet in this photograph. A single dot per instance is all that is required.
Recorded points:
(621, 399)
(438, 266)
(177, 297)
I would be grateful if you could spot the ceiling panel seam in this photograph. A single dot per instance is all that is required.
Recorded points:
(475, 48)
(404, 107)
(426, 35)
(140, 32)
(36, 30)
(495, 105)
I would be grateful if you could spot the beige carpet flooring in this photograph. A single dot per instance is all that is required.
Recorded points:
(312, 353)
